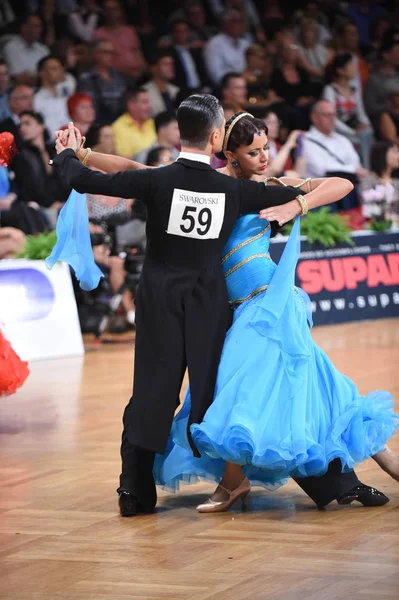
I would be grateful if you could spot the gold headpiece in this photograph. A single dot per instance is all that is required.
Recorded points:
(230, 129)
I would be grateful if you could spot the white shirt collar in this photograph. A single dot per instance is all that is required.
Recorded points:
(194, 156)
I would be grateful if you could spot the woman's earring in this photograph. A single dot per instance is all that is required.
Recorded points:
(235, 163)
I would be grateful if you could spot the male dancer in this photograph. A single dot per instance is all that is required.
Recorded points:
(182, 307)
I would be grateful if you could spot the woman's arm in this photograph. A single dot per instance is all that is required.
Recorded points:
(325, 191)
(387, 128)
(110, 163)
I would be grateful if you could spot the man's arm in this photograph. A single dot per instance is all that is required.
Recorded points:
(257, 196)
(125, 184)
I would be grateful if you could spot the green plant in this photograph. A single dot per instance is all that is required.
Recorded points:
(324, 227)
(38, 247)
(380, 224)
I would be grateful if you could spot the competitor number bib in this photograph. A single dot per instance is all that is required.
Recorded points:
(196, 214)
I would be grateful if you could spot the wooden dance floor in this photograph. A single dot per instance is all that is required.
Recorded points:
(61, 537)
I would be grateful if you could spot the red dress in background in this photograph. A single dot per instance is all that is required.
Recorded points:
(13, 370)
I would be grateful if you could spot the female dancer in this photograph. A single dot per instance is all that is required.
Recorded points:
(280, 409)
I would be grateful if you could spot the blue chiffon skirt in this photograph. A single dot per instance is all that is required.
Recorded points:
(281, 409)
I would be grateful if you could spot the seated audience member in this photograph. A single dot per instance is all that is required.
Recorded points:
(168, 136)
(20, 99)
(317, 55)
(128, 57)
(225, 52)
(190, 72)
(24, 52)
(234, 90)
(161, 92)
(196, 18)
(379, 190)
(161, 155)
(388, 126)
(351, 120)
(5, 112)
(280, 155)
(311, 11)
(105, 85)
(291, 82)
(12, 242)
(44, 185)
(327, 152)
(47, 99)
(83, 20)
(348, 42)
(134, 130)
(81, 112)
(100, 138)
(376, 94)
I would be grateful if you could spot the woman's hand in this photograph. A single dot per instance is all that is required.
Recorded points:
(283, 213)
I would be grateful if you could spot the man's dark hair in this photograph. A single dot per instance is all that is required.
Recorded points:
(132, 93)
(157, 56)
(163, 119)
(35, 115)
(197, 116)
(228, 77)
(43, 61)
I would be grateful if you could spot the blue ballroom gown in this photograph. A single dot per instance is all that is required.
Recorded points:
(281, 409)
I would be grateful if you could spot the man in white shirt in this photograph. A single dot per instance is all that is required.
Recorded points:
(325, 151)
(225, 52)
(161, 92)
(23, 53)
(50, 100)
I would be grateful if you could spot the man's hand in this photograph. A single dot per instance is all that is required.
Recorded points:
(282, 214)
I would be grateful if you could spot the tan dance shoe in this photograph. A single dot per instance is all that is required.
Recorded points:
(242, 491)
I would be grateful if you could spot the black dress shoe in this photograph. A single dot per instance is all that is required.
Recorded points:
(368, 496)
(129, 506)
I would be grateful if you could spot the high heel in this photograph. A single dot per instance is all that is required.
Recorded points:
(241, 491)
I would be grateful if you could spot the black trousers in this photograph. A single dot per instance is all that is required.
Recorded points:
(182, 317)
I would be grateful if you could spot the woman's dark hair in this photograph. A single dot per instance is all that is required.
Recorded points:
(35, 115)
(154, 154)
(378, 156)
(93, 134)
(242, 133)
(339, 62)
(197, 116)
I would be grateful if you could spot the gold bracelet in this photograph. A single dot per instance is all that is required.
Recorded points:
(304, 205)
(86, 157)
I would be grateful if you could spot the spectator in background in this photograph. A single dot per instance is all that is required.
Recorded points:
(351, 120)
(168, 136)
(100, 138)
(20, 99)
(311, 10)
(348, 42)
(161, 92)
(234, 90)
(48, 101)
(134, 130)
(251, 20)
(362, 13)
(128, 57)
(378, 28)
(388, 126)
(291, 82)
(81, 111)
(5, 112)
(379, 190)
(83, 22)
(327, 152)
(317, 55)
(12, 242)
(23, 53)
(160, 156)
(376, 96)
(195, 15)
(225, 52)
(105, 85)
(43, 185)
(258, 73)
(189, 66)
(280, 155)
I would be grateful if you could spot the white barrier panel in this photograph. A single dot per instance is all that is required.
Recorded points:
(38, 309)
